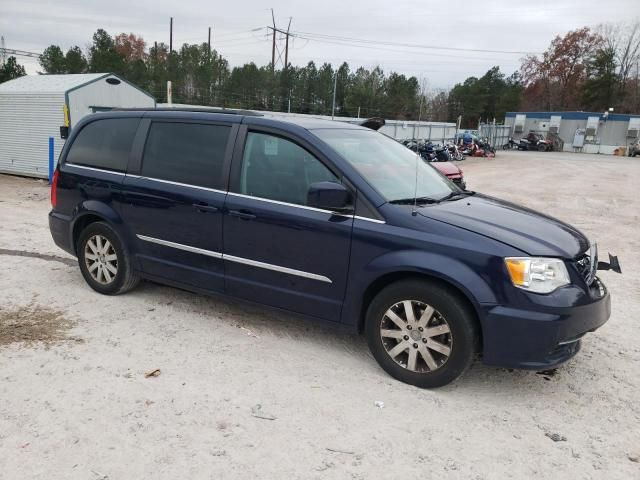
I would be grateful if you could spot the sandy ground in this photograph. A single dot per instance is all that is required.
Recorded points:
(248, 394)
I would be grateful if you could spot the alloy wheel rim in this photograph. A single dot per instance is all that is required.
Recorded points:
(101, 259)
(416, 336)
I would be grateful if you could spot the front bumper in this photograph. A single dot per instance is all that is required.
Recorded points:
(542, 338)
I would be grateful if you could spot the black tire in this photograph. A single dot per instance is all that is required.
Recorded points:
(459, 316)
(125, 278)
(542, 148)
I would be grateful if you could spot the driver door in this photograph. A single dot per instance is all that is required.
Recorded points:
(278, 250)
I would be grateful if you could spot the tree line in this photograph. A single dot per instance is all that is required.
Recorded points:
(590, 69)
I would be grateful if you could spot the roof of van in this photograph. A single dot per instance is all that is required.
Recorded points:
(236, 116)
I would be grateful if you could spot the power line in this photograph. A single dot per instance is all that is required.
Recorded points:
(355, 41)
(20, 53)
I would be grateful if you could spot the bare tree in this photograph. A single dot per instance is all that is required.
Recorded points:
(624, 39)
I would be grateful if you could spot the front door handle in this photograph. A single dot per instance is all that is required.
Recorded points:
(243, 214)
(205, 207)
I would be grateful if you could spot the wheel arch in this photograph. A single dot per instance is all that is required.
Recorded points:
(381, 282)
(89, 212)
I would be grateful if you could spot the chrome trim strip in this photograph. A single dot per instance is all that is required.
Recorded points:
(277, 268)
(241, 195)
(287, 204)
(180, 246)
(177, 183)
(92, 168)
(231, 258)
(374, 220)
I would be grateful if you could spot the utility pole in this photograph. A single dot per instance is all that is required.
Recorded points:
(287, 34)
(209, 42)
(335, 85)
(273, 45)
(171, 35)
(286, 48)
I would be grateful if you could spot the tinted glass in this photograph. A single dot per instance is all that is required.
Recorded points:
(104, 144)
(388, 166)
(188, 153)
(278, 169)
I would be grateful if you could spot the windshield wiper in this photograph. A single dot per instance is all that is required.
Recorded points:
(412, 200)
(452, 195)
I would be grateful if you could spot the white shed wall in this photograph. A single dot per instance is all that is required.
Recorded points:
(102, 94)
(27, 120)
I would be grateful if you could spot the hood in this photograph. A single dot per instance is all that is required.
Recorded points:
(522, 228)
(446, 168)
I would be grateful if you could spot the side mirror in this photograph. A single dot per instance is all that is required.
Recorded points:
(64, 132)
(330, 196)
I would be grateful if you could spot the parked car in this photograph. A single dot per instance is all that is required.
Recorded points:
(452, 172)
(634, 149)
(534, 141)
(327, 220)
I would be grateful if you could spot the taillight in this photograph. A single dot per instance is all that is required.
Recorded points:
(54, 188)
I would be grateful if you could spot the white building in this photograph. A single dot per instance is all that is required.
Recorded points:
(34, 107)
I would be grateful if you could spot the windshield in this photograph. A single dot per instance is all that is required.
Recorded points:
(386, 165)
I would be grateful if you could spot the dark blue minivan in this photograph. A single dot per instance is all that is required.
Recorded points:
(331, 221)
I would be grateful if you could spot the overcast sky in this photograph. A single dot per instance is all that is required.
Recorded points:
(511, 26)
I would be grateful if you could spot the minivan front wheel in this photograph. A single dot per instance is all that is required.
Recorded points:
(103, 260)
(421, 333)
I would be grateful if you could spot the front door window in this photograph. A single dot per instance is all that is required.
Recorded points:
(278, 169)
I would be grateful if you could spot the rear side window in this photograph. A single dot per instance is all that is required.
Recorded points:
(188, 153)
(104, 144)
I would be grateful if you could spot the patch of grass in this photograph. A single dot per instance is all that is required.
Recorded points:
(32, 324)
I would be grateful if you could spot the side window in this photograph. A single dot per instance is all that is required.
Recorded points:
(278, 169)
(190, 153)
(104, 144)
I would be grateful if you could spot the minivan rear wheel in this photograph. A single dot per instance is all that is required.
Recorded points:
(421, 333)
(104, 262)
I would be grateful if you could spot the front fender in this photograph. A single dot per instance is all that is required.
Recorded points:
(445, 268)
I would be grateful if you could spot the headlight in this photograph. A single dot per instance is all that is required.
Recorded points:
(539, 275)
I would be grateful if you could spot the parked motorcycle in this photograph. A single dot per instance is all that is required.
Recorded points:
(454, 152)
(510, 145)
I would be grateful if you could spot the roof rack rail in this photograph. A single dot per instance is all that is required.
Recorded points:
(226, 111)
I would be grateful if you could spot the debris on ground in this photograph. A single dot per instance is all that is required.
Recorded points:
(634, 458)
(249, 332)
(337, 450)
(152, 373)
(379, 404)
(257, 412)
(547, 374)
(33, 323)
(556, 437)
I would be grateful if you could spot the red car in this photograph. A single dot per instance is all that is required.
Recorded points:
(452, 172)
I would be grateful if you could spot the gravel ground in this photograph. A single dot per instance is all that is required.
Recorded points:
(246, 393)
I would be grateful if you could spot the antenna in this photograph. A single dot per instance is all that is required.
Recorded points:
(414, 212)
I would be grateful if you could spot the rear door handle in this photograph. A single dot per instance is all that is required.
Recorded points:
(205, 207)
(243, 214)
